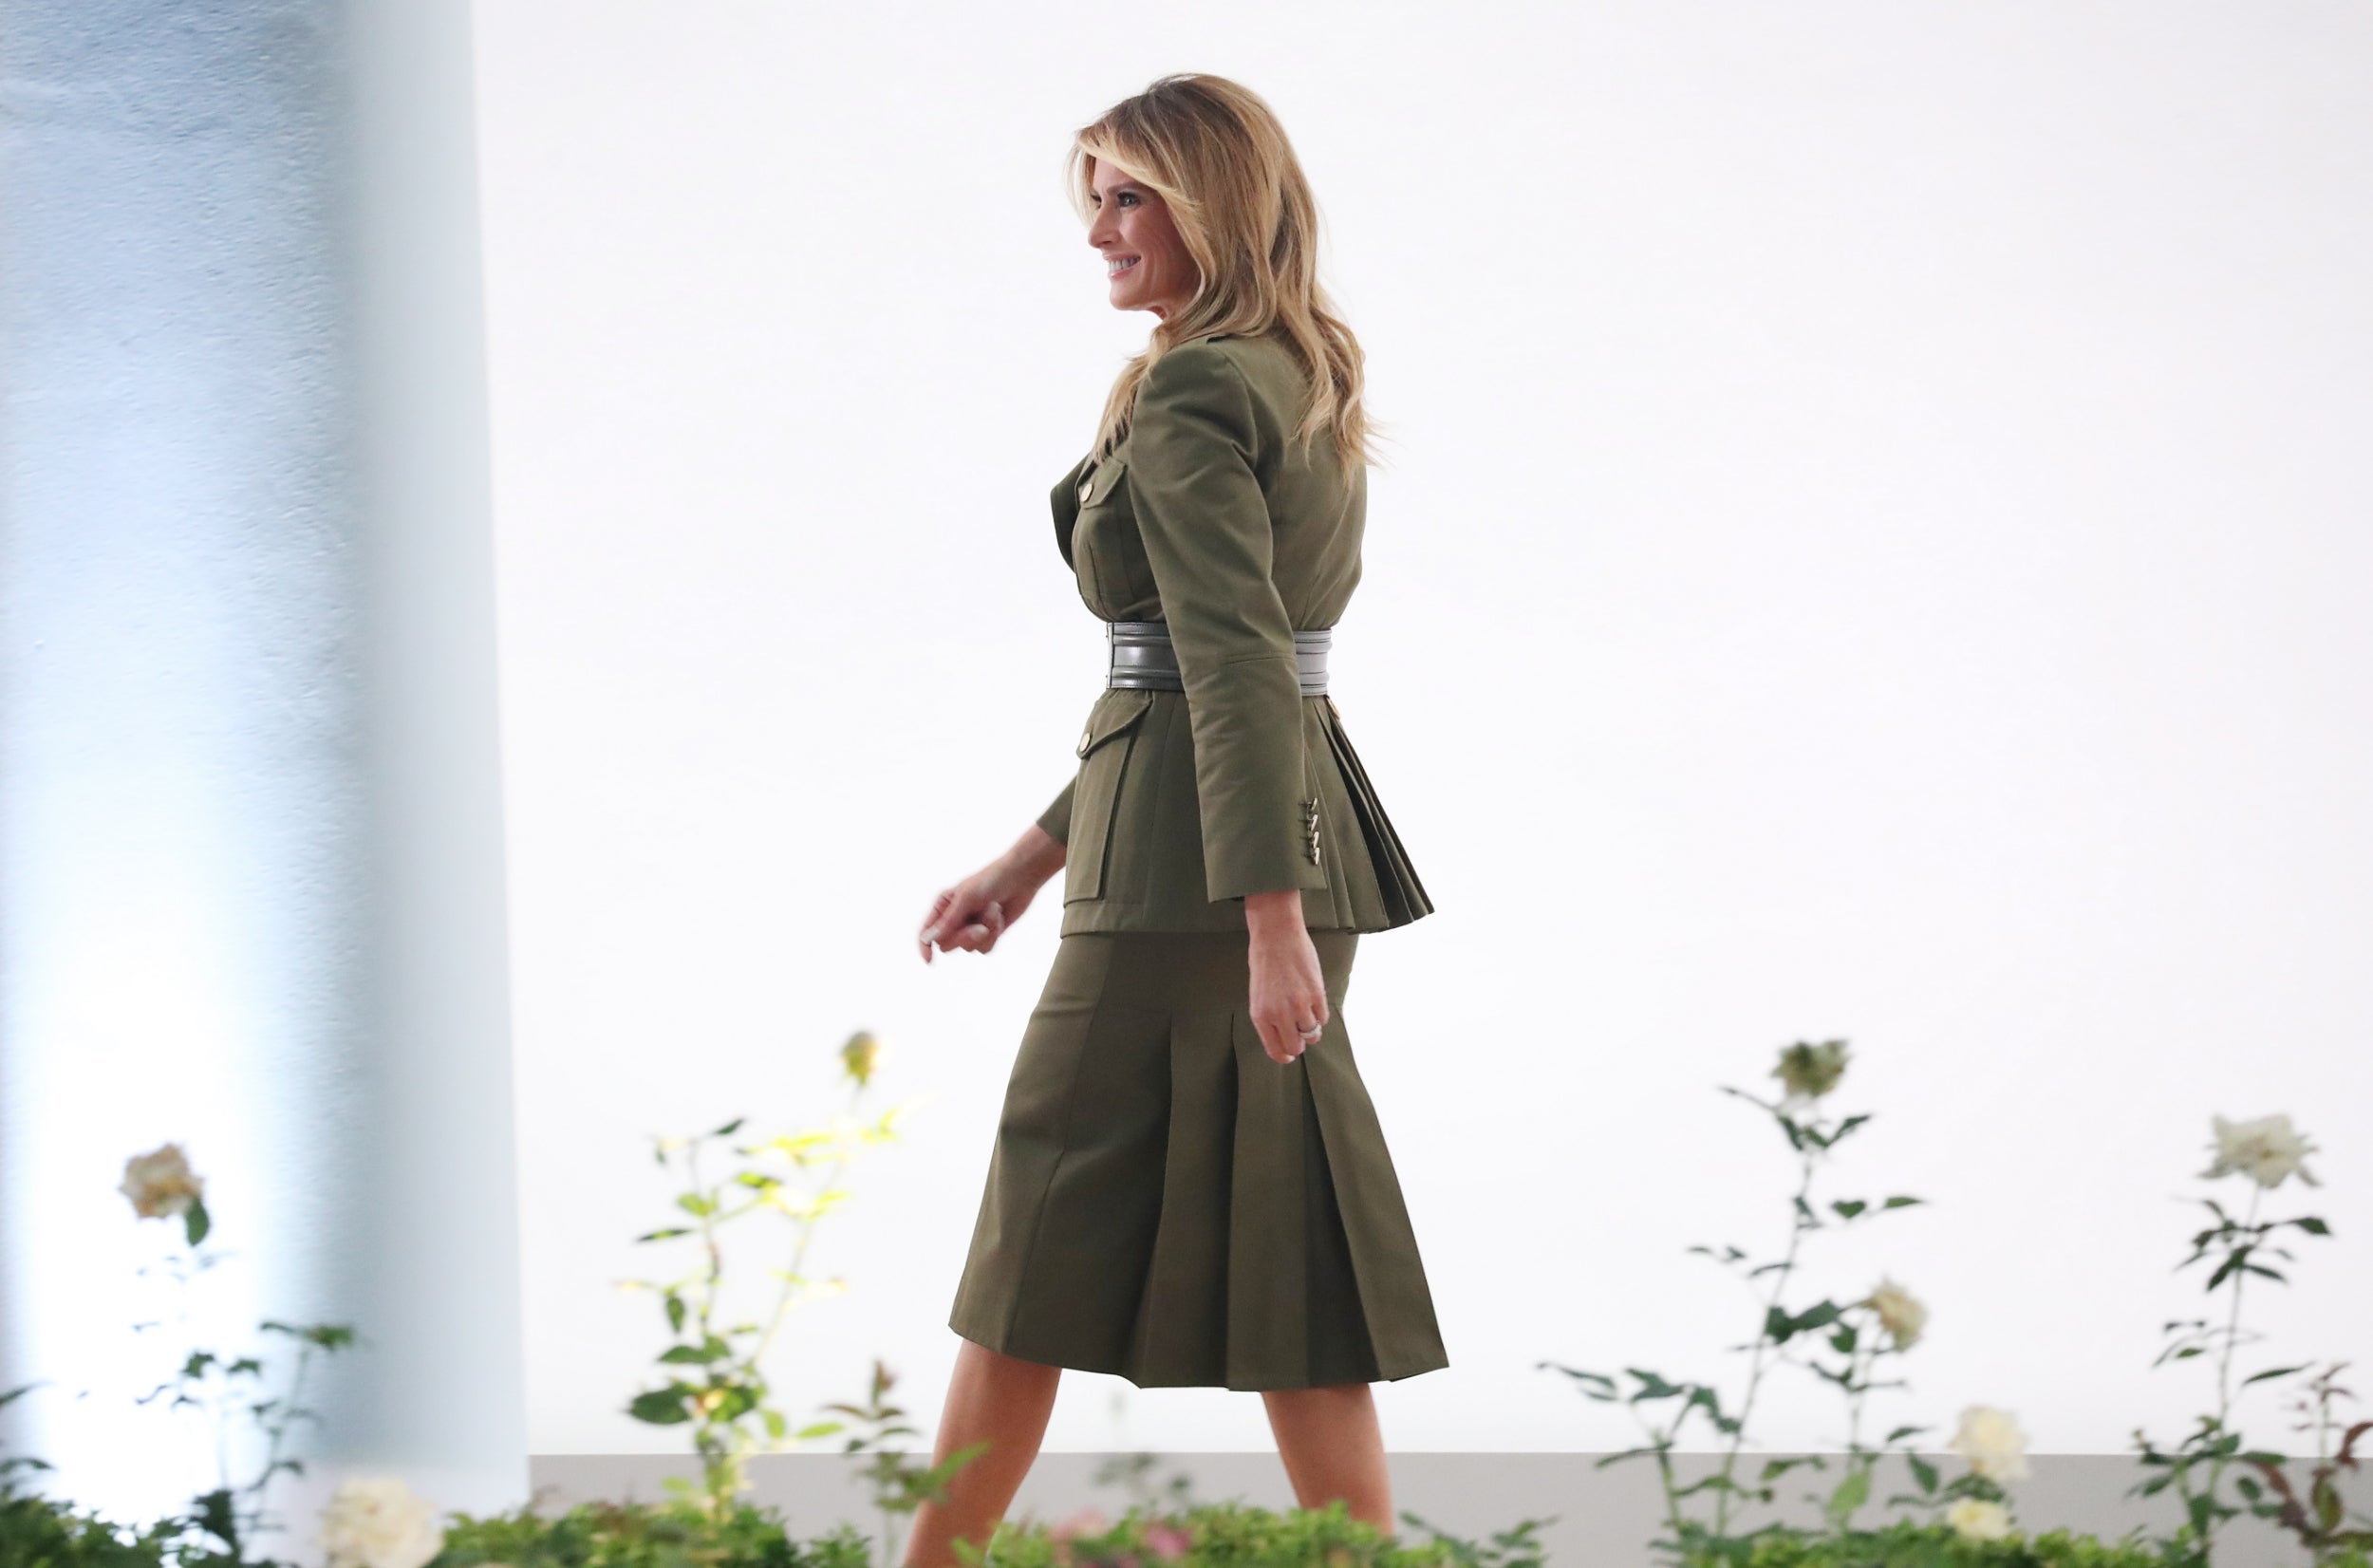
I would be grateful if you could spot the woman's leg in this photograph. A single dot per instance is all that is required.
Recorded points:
(1001, 1400)
(1333, 1448)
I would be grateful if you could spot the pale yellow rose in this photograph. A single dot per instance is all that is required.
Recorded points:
(859, 1056)
(1901, 1313)
(1975, 1519)
(2266, 1150)
(1991, 1442)
(160, 1183)
(379, 1523)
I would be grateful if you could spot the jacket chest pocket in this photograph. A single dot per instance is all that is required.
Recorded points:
(1113, 733)
(1116, 579)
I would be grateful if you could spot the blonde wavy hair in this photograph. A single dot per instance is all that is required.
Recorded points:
(1216, 153)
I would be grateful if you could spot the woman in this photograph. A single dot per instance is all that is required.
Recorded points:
(1189, 1186)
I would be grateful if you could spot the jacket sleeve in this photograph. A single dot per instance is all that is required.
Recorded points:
(1056, 819)
(1208, 539)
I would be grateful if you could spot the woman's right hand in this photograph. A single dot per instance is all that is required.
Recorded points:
(975, 912)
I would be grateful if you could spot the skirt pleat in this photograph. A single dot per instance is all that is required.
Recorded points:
(1167, 1204)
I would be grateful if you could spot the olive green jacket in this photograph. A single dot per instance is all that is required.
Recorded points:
(1204, 518)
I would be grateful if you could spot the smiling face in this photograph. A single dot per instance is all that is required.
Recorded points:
(1144, 257)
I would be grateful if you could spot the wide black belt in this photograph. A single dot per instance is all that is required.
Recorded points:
(1143, 659)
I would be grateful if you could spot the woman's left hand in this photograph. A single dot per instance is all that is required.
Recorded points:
(1289, 990)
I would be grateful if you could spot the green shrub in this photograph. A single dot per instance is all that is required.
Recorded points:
(36, 1532)
(643, 1535)
(1229, 1535)
(1907, 1544)
(1224, 1535)
(1235, 1535)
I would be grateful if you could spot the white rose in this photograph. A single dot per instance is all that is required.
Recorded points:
(1975, 1519)
(1991, 1442)
(1899, 1313)
(377, 1522)
(160, 1183)
(2266, 1150)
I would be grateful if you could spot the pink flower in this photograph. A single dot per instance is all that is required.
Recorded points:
(1167, 1541)
(1085, 1522)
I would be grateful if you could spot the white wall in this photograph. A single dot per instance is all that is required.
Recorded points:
(1875, 549)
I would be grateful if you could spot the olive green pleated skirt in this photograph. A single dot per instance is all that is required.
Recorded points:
(1165, 1202)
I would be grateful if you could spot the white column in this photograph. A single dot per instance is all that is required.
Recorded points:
(251, 892)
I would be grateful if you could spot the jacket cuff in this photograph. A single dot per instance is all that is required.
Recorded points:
(1251, 783)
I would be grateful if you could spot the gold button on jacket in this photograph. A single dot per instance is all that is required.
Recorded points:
(1205, 517)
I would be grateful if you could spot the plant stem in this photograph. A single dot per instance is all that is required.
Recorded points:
(796, 1272)
(2224, 1366)
(1763, 1336)
(278, 1430)
(1660, 1443)
(2233, 1320)
(1858, 1370)
(719, 1471)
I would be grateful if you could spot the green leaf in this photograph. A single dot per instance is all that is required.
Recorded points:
(327, 1336)
(1850, 1495)
(1651, 1386)
(669, 1234)
(1781, 1327)
(730, 1128)
(195, 1221)
(2313, 1225)
(1923, 1472)
(662, 1407)
(1596, 1385)
(218, 1517)
(675, 1313)
(1848, 1207)
(820, 1428)
(698, 1355)
(1605, 1460)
